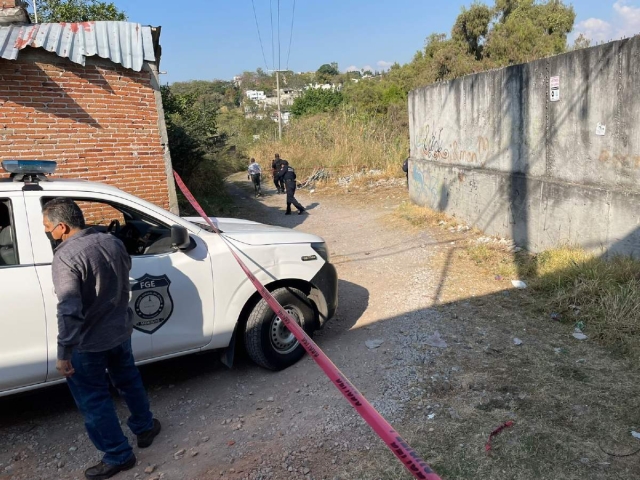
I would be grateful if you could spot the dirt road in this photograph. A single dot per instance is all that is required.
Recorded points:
(445, 392)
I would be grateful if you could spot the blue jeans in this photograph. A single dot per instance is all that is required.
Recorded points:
(89, 386)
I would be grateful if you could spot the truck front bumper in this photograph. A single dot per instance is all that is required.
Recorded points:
(326, 281)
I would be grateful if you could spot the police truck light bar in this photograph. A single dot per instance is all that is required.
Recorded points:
(29, 167)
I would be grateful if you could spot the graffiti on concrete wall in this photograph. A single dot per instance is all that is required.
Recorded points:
(426, 185)
(431, 146)
(620, 159)
(479, 155)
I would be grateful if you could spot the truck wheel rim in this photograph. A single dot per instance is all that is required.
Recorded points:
(282, 340)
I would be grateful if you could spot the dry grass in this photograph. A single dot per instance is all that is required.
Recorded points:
(569, 399)
(603, 294)
(341, 144)
(566, 406)
(419, 216)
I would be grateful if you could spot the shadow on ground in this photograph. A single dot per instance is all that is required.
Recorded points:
(251, 208)
(30, 409)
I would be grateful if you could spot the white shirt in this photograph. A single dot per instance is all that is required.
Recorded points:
(254, 168)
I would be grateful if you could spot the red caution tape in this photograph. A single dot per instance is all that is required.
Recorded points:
(408, 457)
(508, 424)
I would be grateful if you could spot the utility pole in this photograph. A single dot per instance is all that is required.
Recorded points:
(279, 109)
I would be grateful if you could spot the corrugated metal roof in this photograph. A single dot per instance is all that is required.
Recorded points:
(125, 43)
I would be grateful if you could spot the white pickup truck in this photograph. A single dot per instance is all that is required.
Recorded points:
(188, 293)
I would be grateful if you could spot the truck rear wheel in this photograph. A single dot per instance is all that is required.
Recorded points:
(269, 342)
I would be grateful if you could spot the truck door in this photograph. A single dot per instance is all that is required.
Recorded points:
(23, 332)
(171, 291)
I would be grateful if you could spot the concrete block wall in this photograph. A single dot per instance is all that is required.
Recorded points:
(100, 122)
(495, 151)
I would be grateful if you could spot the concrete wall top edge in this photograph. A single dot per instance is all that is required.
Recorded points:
(505, 119)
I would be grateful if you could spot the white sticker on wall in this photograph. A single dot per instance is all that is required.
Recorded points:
(601, 129)
(554, 86)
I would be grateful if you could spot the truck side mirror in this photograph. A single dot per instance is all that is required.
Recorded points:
(180, 238)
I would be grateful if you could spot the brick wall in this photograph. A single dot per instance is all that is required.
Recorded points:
(99, 122)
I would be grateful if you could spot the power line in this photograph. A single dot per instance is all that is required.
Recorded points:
(259, 36)
(279, 35)
(273, 52)
(279, 61)
(293, 16)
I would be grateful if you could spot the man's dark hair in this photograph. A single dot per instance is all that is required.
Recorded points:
(64, 210)
(277, 155)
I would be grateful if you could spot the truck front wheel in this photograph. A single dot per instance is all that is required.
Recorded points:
(269, 342)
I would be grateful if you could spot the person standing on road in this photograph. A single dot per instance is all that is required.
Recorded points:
(287, 175)
(91, 279)
(255, 174)
(276, 165)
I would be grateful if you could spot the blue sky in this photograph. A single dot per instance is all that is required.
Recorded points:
(208, 39)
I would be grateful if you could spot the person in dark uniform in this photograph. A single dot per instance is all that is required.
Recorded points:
(287, 175)
(276, 166)
(405, 169)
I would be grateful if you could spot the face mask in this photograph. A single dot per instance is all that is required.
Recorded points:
(54, 242)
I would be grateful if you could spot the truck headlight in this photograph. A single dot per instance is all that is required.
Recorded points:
(322, 250)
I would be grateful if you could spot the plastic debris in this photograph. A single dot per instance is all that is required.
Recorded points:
(517, 341)
(431, 416)
(555, 316)
(436, 341)
(508, 424)
(635, 435)
(371, 344)
(519, 284)
(578, 335)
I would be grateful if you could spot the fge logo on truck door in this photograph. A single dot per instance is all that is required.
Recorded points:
(151, 303)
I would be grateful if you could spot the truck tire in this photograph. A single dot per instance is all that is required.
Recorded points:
(268, 342)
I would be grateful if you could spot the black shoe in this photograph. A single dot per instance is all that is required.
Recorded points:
(287, 213)
(145, 439)
(300, 212)
(104, 470)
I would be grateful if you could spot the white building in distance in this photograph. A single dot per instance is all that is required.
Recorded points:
(256, 95)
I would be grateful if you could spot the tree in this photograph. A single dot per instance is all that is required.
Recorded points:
(581, 42)
(191, 128)
(315, 101)
(472, 26)
(327, 72)
(526, 30)
(55, 11)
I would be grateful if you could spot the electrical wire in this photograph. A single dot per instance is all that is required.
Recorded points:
(279, 64)
(259, 36)
(293, 16)
(273, 51)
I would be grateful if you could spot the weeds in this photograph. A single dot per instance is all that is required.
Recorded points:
(602, 293)
(419, 216)
(341, 143)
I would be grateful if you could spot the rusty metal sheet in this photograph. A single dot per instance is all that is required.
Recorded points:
(125, 43)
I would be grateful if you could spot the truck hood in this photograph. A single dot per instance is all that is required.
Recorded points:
(254, 233)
